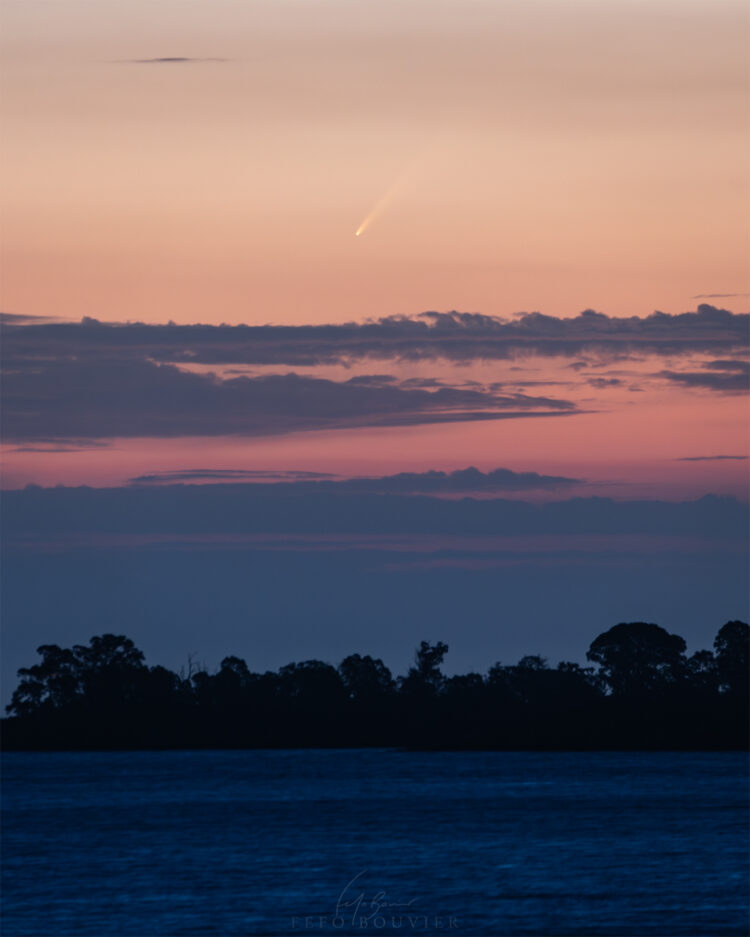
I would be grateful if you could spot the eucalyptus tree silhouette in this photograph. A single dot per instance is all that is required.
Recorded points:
(638, 658)
(365, 679)
(703, 673)
(422, 717)
(426, 673)
(731, 648)
(310, 701)
(105, 671)
(370, 697)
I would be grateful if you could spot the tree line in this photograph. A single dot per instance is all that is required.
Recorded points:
(639, 691)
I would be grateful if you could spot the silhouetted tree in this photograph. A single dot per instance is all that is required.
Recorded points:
(527, 679)
(731, 648)
(365, 679)
(235, 671)
(96, 674)
(422, 719)
(498, 690)
(532, 662)
(310, 681)
(112, 671)
(703, 674)
(102, 695)
(578, 685)
(312, 699)
(426, 673)
(232, 684)
(498, 678)
(163, 689)
(52, 684)
(370, 697)
(637, 658)
(109, 653)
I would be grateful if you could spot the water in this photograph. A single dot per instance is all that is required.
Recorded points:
(353, 842)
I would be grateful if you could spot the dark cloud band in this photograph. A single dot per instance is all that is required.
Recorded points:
(105, 398)
(92, 380)
(433, 482)
(451, 336)
(297, 509)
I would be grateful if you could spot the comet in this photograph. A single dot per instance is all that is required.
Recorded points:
(384, 201)
(376, 210)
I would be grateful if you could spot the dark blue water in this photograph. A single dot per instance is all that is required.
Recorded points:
(356, 842)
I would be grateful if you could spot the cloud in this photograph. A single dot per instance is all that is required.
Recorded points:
(70, 446)
(603, 382)
(13, 318)
(742, 367)
(428, 382)
(374, 380)
(228, 475)
(432, 482)
(452, 336)
(178, 511)
(719, 295)
(711, 458)
(94, 380)
(725, 377)
(171, 60)
(101, 398)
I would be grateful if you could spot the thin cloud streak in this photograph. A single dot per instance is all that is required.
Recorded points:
(228, 475)
(172, 60)
(718, 295)
(712, 458)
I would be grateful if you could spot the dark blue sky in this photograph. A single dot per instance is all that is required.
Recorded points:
(285, 572)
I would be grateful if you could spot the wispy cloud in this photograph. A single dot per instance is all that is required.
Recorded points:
(228, 475)
(724, 377)
(712, 458)
(52, 448)
(602, 383)
(172, 60)
(718, 295)
(14, 318)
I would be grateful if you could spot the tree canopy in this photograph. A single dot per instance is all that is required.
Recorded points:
(641, 691)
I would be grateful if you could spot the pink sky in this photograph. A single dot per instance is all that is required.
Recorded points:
(545, 155)
(628, 442)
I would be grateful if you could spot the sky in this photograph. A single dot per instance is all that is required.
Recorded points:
(332, 327)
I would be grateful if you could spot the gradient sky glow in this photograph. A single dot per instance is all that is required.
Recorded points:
(531, 181)
(561, 155)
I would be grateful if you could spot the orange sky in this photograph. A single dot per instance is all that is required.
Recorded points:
(553, 155)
